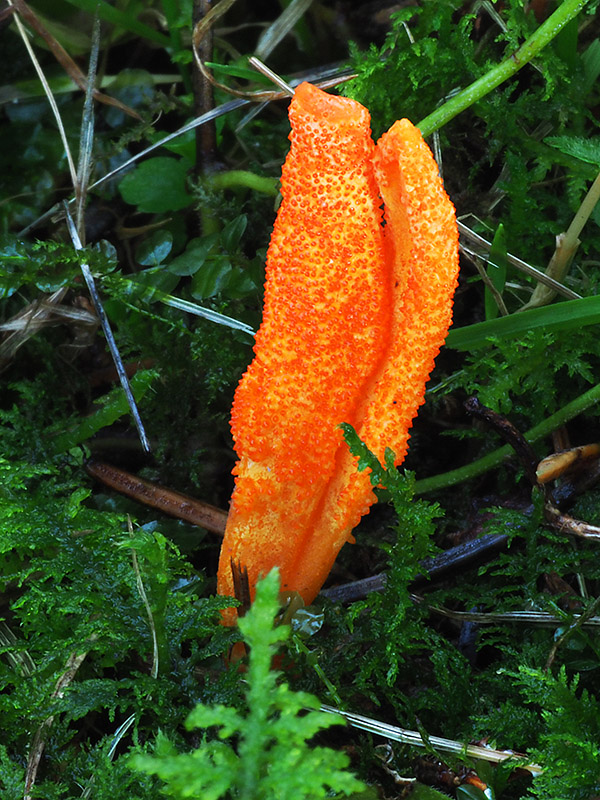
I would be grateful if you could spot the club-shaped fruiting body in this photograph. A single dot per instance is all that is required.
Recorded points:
(357, 305)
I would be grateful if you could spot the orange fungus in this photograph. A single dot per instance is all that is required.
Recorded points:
(355, 313)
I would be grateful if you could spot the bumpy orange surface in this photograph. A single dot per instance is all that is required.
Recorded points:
(354, 316)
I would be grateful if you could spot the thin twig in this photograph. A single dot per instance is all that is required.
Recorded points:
(563, 523)
(204, 101)
(555, 518)
(494, 459)
(166, 500)
(461, 557)
(110, 339)
(272, 76)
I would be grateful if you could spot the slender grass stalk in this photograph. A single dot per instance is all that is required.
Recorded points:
(86, 136)
(199, 311)
(158, 658)
(108, 334)
(521, 265)
(49, 95)
(281, 27)
(585, 209)
(566, 11)
(566, 247)
(415, 739)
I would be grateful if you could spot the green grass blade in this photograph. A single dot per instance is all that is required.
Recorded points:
(120, 19)
(496, 272)
(558, 317)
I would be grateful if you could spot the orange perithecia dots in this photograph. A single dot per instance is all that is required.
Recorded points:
(354, 314)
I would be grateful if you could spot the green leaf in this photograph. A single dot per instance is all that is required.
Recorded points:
(240, 284)
(467, 792)
(152, 283)
(421, 792)
(238, 72)
(212, 278)
(155, 249)
(591, 65)
(366, 459)
(585, 149)
(565, 44)
(194, 256)
(233, 232)
(157, 185)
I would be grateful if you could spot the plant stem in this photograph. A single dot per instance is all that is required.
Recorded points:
(566, 11)
(566, 247)
(585, 209)
(495, 458)
(242, 179)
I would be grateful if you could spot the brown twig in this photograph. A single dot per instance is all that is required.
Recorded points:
(509, 433)
(166, 500)
(204, 101)
(554, 517)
